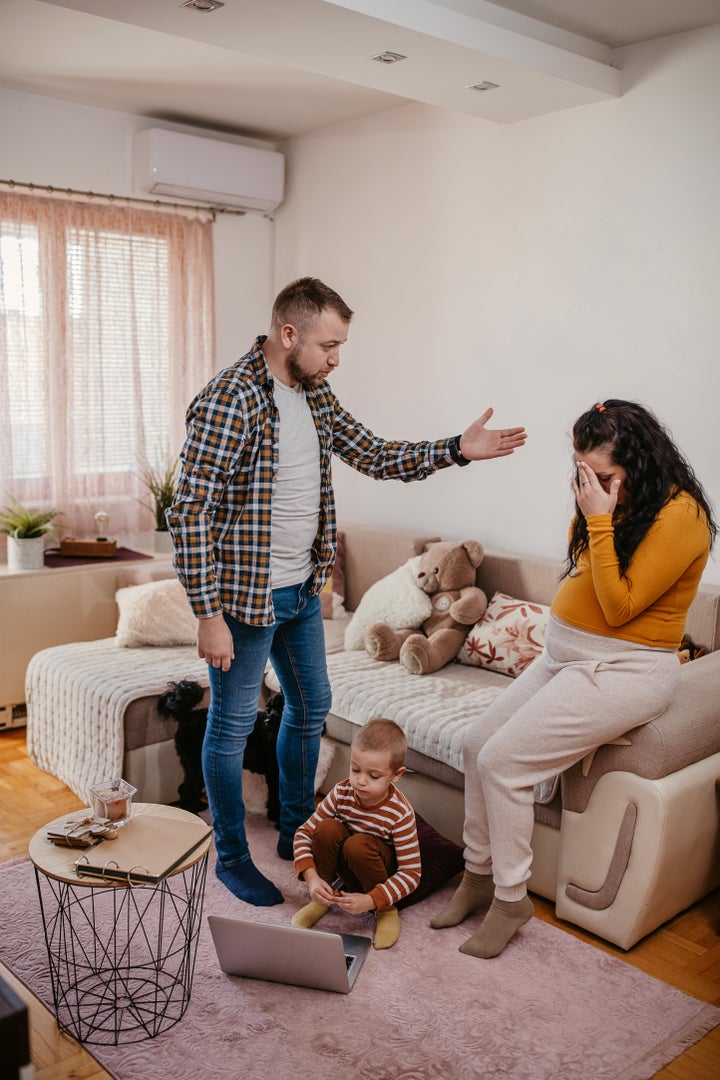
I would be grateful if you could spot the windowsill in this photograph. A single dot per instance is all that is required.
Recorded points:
(139, 542)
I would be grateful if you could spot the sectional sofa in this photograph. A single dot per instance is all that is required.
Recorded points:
(623, 842)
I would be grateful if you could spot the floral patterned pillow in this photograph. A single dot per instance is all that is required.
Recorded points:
(509, 636)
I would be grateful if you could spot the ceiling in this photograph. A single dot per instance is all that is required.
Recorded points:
(273, 69)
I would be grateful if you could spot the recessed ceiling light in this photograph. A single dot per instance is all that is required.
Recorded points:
(483, 86)
(204, 6)
(388, 57)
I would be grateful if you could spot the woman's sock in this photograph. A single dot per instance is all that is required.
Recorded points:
(310, 914)
(499, 926)
(245, 881)
(475, 891)
(387, 929)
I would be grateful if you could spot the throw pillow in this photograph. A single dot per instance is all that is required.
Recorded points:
(396, 600)
(509, 636)
(332, 596)
(441, 860)
(156, 613)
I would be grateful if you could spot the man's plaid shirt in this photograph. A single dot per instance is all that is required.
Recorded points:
(220, 519)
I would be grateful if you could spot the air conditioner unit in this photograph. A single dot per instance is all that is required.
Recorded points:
(208, 170)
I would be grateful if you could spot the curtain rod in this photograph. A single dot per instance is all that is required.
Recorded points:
(114, 200)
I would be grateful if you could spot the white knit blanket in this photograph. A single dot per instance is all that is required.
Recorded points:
(76, 698)
(433, 711)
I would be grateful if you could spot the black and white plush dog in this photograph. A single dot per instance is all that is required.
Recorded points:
(180, 702)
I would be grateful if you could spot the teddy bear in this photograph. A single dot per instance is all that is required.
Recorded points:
(446, 572)
(688, 650)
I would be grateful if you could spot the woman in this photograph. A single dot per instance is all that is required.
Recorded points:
(637, 549)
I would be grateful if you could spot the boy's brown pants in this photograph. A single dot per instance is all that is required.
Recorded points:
(361, 860)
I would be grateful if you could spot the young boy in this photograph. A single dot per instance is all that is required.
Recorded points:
(363, 832)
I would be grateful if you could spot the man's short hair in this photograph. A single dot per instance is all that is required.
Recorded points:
(383, 736)
(301, 302)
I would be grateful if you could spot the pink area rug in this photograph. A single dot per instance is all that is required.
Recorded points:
(550, 1006)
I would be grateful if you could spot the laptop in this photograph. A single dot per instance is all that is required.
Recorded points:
(288, 954)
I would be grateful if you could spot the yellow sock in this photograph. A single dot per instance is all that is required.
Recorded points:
(387, 929)
(310, 914)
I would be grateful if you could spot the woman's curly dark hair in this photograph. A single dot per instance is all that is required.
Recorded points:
(656, 472)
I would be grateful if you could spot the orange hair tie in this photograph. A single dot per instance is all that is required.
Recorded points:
(600, 407)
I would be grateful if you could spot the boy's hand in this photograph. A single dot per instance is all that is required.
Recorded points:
(355, 903)
(319, 890)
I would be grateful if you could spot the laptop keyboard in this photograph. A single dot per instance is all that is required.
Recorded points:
(348, 961)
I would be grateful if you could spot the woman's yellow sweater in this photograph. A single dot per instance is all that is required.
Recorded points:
(650, 603)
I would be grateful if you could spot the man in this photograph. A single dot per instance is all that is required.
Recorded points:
(253, 524)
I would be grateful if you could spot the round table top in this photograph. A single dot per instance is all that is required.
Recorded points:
(57, 861)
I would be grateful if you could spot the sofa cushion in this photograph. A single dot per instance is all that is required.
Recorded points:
(433, 710)
(703, 620)
(372, 552)
(332, 596)
(334, 630)
(441, 859)
(519, 575)
(509, 636)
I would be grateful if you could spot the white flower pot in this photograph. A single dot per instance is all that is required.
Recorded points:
(25, 553)
(163, 542)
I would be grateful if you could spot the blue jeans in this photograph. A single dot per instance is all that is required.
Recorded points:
(295, 643)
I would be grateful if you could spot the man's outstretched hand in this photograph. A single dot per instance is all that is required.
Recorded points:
(478, 443)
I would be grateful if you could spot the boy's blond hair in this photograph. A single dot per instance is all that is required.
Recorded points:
(383, 736)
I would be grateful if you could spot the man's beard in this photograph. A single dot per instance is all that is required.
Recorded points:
(309, 382)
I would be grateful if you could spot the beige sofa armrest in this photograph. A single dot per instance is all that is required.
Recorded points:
(688, 731)
(641, 851)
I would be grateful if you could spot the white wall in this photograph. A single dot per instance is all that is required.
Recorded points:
(45, 141)
(537, 268)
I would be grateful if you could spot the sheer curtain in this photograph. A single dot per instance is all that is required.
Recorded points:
(106, 333)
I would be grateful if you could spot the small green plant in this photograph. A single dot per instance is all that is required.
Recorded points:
(23, 524)
(160, 481)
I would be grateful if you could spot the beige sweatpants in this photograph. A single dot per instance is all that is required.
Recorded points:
(582, 691)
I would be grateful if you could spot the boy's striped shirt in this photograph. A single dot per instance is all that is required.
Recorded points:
(393, 821)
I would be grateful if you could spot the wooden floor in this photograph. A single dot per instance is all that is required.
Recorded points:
(684, 953)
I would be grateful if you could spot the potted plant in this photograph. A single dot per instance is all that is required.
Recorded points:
(26, 531)
(160, 481)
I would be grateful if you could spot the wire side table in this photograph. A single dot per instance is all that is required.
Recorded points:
(121, 956)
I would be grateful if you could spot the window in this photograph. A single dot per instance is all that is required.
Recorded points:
(106, 332)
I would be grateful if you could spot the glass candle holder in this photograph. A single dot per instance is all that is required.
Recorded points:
(101, 525)
(112, 800)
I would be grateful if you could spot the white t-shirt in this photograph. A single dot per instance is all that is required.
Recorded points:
(296, 498)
